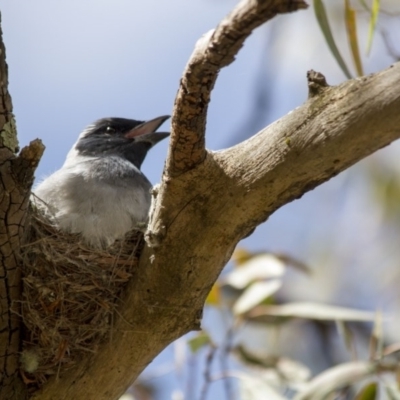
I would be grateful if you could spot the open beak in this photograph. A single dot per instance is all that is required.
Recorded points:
(148, 127)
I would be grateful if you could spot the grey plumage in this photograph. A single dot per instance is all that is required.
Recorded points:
(100, 191)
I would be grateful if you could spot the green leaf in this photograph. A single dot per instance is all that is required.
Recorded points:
(323, 22)
(372, 23)
(351, 29)
(368, 392)
(199, 341)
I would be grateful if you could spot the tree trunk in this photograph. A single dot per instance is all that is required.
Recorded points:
(16, 176)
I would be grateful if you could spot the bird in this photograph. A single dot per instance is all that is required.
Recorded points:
(100, 191)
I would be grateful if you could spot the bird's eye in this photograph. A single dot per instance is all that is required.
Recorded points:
(110, 130)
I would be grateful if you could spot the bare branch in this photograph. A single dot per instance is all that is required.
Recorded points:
(213, 206)
(315, 142)
(213, 51)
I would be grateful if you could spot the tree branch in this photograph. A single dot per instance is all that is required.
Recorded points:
(215, 50)
(328, 134)
(16, 177)
(207, 210)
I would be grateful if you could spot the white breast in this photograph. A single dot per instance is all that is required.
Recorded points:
(101, 198)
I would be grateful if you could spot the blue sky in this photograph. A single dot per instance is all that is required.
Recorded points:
(74, 62)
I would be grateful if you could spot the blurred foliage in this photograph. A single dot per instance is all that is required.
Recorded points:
(368, 392)
(274, 376)
(351, 29)
(351, 13)
(384, 183)
(322, 18)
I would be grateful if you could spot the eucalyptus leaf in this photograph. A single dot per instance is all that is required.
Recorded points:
(335, 378)
(261, 267)
(323, 22)
(199, 341)
(309, 310)
(255, 294)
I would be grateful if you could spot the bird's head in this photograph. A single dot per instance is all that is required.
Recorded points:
(122, 137)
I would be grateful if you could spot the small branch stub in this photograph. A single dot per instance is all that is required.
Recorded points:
(316, 83)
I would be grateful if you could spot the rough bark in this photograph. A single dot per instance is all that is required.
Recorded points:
(208, 201)
(207, 210)
(201, 214)
(16, 177)
(215, 50)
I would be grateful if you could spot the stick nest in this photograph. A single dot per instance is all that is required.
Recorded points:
(70, 293)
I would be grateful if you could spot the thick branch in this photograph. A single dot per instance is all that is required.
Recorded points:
(215, 50)
(16, 177)
(208, 201)
(214, 205)
(330, 132)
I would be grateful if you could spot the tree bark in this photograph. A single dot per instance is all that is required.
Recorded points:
(207, 201)
(16, 178)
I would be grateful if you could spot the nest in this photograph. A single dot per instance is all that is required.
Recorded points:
(70, 293)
